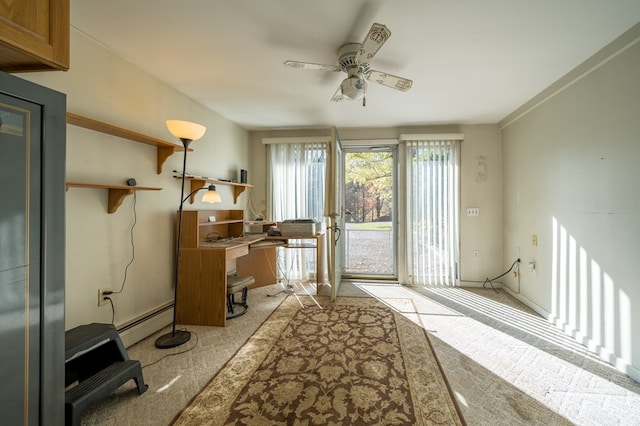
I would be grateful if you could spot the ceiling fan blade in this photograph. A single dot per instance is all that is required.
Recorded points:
(390, 80)
(363, 18)
(378, 35)
(311, 66)
(337, 97)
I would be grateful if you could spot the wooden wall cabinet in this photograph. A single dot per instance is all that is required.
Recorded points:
(34, 35)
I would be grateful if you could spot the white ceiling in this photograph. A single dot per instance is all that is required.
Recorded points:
(471, 61)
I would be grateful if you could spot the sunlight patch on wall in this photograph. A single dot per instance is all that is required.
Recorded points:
(585, 302)
(625, 324)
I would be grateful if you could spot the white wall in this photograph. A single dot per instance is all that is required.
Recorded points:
(102, 86)
(480, 183)
(571, 176)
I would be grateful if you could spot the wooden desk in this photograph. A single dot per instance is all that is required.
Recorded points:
(260, 263)
(202, 274)
(202, 289)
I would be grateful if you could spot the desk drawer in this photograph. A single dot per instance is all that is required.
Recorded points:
(238, 251)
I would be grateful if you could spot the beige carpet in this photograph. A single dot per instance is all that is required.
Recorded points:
(314, 362)
(505, 364)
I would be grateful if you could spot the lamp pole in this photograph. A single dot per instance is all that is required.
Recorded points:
(186, 132)
(179, 337)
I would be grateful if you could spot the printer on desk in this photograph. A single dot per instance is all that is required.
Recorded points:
(299, 227)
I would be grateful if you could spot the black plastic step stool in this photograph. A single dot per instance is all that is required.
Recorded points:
(97, 363)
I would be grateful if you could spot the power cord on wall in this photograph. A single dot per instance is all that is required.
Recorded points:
(113, 309)
(490, 281)
(107, 293)
(251, 208)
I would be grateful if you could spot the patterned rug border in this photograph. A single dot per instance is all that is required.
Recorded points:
(229, 381)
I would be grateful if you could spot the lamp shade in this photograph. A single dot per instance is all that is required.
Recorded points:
(211, 196)
(185, 129)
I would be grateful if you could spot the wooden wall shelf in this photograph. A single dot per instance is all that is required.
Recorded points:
(117, 193)
(164, 149)
(198, 182)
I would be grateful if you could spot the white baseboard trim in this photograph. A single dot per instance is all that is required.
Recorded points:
(633, 372)
(539, 310)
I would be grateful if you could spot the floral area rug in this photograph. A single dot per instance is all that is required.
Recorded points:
(313, 362)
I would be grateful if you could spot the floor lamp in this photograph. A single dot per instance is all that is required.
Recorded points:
(187, 132)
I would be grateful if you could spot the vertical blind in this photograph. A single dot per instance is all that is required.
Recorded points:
(296, 190)
(297, 180)
(432, 211)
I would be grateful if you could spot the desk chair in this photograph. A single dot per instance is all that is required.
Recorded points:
(236, 284)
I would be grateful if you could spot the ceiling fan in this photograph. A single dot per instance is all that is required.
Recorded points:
(353, 59)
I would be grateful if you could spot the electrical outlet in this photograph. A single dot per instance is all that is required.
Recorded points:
(473, 211)
(476, 255)
(101, 296)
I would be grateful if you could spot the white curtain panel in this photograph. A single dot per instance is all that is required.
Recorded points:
(296, 190)
(432, 208)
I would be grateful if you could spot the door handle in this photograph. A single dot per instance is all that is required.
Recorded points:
(338, 234)
(337, 231)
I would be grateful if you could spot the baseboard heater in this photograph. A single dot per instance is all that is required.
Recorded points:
(129, 327)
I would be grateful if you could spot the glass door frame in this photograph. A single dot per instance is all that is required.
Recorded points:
(386, 145)
(334, 212)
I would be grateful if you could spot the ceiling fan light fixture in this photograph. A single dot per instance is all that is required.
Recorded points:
(353, 88)
(354, 59)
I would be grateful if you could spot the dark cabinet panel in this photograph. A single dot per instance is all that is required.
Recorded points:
(32, 141)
